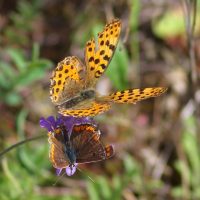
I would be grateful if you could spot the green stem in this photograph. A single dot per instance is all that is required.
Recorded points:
(20, 143)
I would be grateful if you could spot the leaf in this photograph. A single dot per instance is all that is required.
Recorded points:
(18, 58)
(118, 68)
(20, 123)
(4, 83)
(104, 188)
(192, 150)
(92, 191)
(35, 52)
(35, 71)
(7, 70)
(12, 98)
(118, 186)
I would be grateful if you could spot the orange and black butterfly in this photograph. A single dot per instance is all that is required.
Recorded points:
(73, 83)
(82, 146)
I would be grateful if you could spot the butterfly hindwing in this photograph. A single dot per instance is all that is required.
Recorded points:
(89, 108)
(81, 134)
(103, 103)
(88, 146)
(109, 151)
(97, 58)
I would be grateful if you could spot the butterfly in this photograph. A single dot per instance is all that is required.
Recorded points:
(72, 87)
(82, 146)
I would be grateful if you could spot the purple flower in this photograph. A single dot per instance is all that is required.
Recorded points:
(50, 123)
(68, 121)
(70, 170)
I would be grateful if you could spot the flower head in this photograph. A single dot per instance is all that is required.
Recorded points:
(52, 123)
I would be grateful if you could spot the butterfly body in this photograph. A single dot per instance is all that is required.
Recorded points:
(77, 100)
(73, 83)
(70, 153)
(82, 146)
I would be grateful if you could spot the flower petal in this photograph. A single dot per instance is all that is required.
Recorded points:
(70, 121)
(45, 124)
(70, 169)
(58, 171)
(52, 121)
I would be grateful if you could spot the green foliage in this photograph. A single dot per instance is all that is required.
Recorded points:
(20, 72)
(189, 168)
(118, 68)
(172, 24)
(23, 169)
(131, 177)
(27, 168)
(22, 22)
(17, 69)
(134, 24)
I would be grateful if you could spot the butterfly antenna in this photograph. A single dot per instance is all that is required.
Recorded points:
(59, 178)
(80, 170)
(20, 143)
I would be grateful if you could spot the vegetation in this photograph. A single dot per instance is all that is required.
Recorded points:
(157, 141)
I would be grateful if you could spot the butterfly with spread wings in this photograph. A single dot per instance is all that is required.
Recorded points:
(73, 83)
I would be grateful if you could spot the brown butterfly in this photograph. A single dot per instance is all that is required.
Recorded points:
(82, 146)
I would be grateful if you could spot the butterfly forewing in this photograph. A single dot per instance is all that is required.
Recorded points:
(89, 108)
(66, 80)
(97, 58)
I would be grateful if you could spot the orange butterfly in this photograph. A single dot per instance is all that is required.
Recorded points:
(72, 87)
(82, 146)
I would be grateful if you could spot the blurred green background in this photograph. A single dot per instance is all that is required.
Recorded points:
(157, 141)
